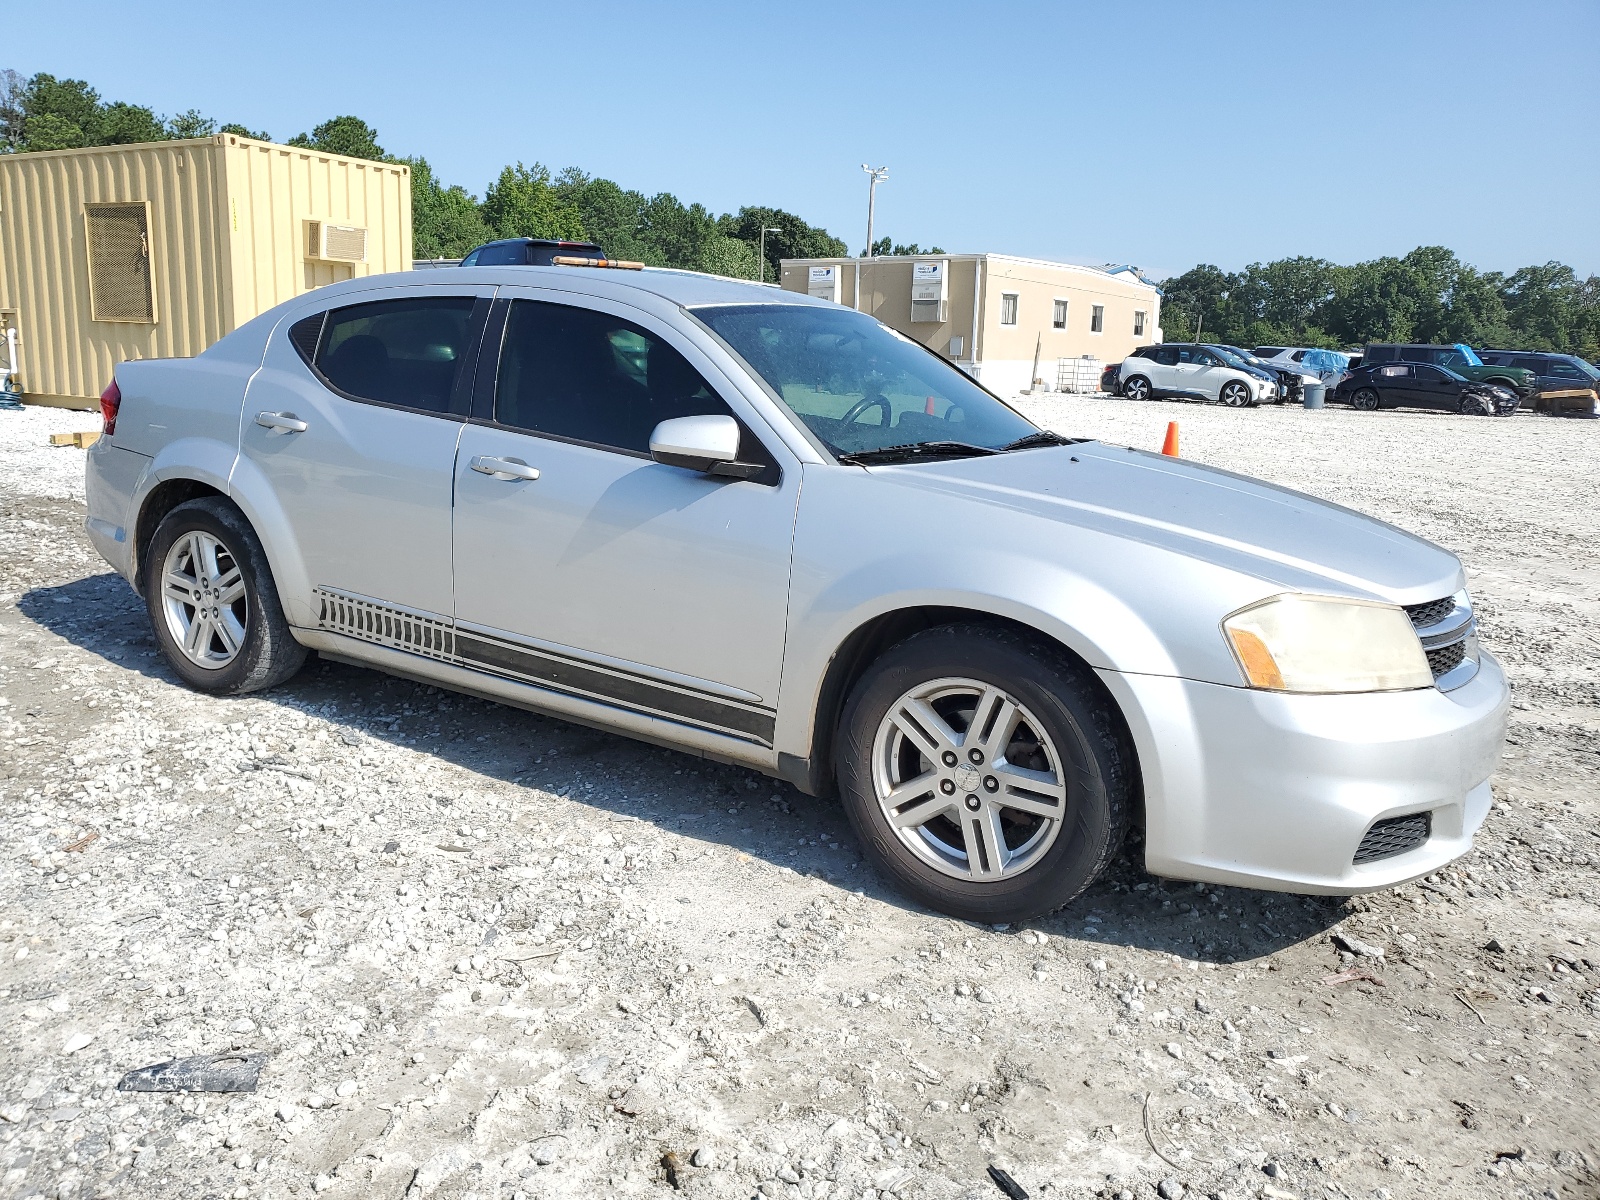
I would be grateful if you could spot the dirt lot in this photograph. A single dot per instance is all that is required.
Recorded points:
(492, 955)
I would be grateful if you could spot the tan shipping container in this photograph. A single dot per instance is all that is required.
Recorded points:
(156, 250)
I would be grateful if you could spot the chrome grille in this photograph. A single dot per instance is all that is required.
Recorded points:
(1431, 613)
(1448, 634)
(1393, 837)
(392, 627)
(1447, 658)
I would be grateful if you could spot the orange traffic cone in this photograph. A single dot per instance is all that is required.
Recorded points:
(1170, 446)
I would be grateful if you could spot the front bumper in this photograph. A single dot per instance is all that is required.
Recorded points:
(1259, 789)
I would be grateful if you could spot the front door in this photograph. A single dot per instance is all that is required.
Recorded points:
(353, 421)
(610, 575)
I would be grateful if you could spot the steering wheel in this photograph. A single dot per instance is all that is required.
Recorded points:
(877, 400)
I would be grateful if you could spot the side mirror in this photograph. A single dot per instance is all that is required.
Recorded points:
(709, 444)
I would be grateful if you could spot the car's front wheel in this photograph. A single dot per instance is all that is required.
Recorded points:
(1237, 395)
(1476, 406)
(1137, 388)
(212, 601)
(986, 773)
(1366, 400)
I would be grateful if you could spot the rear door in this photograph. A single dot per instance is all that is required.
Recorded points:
(352, 425)
(1395, 383)
(612, 576)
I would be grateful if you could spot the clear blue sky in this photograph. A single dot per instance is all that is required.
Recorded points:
(1161, 134)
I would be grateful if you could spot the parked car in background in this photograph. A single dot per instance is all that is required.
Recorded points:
(1327, 365)
(1108, 377)
(1422, 385)
(1194, 371)
(1556, 373)
(774, 532)
(1459, 358)
(1290, 380)
(529, 252)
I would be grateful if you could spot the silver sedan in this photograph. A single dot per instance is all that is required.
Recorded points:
(771, 531)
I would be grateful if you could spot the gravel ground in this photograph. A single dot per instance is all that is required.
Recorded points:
(491, 955)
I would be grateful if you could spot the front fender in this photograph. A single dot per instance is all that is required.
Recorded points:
(1072, 610)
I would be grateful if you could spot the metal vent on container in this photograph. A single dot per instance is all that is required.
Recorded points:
(1393, 837)
(392, 627)
(119, 263)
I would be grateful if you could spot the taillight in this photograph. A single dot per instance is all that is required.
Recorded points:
(110, 401)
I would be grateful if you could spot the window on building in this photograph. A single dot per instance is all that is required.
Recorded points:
(119, 263)
(1097, 319)
(1008, 308)
(1059, 319)
(400, 352)
(1138, 323)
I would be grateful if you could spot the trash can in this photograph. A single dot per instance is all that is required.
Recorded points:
(1314, 393)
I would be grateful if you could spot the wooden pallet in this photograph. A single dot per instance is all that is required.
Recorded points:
(81, 440)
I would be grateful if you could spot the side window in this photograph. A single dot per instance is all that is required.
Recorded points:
(401, 352)
(1395, 371)
(1298, 356)
(471, 260)
(1268, 351)
(591, 377)
(1204, 359)
(1167, 356)
(1563, 370)
(1379, 354)
(1526, 362)
(1431, 374)
(507, 254)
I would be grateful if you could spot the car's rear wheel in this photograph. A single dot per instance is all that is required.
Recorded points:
(986, 773)
(1137, 388)
(1237, 395)
(1366, 400)
(212, 601)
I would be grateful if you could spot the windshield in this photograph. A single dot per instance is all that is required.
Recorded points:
(1234, 358)
(1591, 372)
(858, 385)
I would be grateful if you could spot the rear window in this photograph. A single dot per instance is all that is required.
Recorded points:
(401, 352)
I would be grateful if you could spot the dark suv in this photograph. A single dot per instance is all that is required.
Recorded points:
(529, 252)
(1458, 358)
(1556, 373)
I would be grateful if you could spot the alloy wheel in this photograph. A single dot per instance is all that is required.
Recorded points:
(203, 599)
(968, 779)
(1235, 395)
(1138, 389)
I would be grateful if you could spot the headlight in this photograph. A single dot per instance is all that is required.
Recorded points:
(1296, 643)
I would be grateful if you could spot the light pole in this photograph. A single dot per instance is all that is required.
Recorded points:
(878, 174)
(765, 229)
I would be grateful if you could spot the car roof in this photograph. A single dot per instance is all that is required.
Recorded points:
(685, 288)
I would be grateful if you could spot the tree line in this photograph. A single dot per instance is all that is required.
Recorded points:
(1429, 295)
(46, 113)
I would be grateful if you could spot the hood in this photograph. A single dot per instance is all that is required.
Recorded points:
(1281, 536)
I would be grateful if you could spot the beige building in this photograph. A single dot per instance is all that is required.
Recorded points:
(158, 249)
(991, 314)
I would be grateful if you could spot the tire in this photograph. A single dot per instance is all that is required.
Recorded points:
(1476, 406)
(241, 643)
(1061, 734)
(1236, 395)
(1365, 399)
(1138, 388)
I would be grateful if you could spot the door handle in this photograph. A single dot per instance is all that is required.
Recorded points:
(504, 468)
(281, 422)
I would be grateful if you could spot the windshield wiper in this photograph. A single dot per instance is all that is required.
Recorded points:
(915, 450)
(1042, 438)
